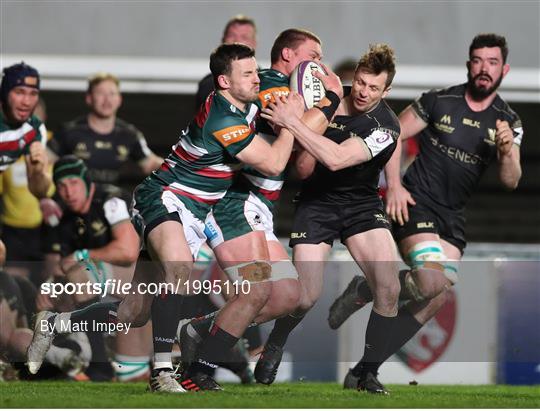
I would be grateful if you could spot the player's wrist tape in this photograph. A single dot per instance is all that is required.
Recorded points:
(330, 110)
(82, 255)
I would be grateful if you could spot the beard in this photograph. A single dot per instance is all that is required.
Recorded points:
(480, 93)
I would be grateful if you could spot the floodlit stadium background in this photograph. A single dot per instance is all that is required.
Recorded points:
(160, 51)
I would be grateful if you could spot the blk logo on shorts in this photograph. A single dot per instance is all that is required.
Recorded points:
(298, 235)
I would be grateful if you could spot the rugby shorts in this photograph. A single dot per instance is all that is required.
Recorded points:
(233, 217)
(153, 204)
(317, 221)
(428, 217)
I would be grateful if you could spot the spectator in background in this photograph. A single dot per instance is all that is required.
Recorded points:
(21, 133)
(21, 216)
(239, 29)
(94, 241)
(345, 70)
(101, 139)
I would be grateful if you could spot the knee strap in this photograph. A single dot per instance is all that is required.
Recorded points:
(427, 253)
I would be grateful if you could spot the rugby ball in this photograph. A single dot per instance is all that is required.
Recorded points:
(306, 84)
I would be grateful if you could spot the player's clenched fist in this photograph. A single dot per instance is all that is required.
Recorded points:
(37, 156)
(504, 137)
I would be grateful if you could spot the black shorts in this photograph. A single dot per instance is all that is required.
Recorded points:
(428, 217)
(317, 221)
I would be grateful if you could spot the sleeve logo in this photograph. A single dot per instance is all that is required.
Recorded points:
(231, 135)
(266, 96)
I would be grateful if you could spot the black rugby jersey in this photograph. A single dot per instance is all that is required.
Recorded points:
(104, 154)
(90, 230)
(380, 130)
(456, 146)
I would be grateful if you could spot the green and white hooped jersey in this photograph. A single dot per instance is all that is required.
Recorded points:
(264, 187)
(203, 162)
(15, 141)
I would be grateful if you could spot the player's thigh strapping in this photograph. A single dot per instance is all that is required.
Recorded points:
(233, 217)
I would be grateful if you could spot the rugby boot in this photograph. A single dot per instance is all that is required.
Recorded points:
(347, 303)
(164, 380)
(41, 341)
(350, 381)
(189, 341)
(268, 364)
(199, 381)
(371, 384)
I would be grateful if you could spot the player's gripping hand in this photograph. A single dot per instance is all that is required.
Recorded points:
(37, 157)
(330, 80)
(52, 213)
(398, 200)
(504, 137)
(284, 110)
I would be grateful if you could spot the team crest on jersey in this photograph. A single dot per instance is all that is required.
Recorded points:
(431, 342)
(123, 152)
(231, 135)
(490, 139)
(446, 119)
(98, 227)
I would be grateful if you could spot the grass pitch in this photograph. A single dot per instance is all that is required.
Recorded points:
(60, 394)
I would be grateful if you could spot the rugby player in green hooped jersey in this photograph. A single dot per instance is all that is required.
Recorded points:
(21, 133)
(171, 204)
(240, 229)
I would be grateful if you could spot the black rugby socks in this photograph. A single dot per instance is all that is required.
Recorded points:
(379, 331)
(165, 313)
(282, 329)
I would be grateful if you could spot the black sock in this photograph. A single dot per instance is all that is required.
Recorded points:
(405, 328)
(378, 333)
(215, 349)
(282, 328)
(165, 314)
(100, 368)
(202, 325)
(194, 306)
(88, 313)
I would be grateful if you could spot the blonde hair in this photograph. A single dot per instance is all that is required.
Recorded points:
(97, 78)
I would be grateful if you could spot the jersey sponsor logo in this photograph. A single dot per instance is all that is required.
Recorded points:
(446, 119)
(266, 96)
(433, 339)
(457, 154)
(444, 128)
(231, 135)
(299, 235)
(103, 145)
(425, 224)
(471, 123)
